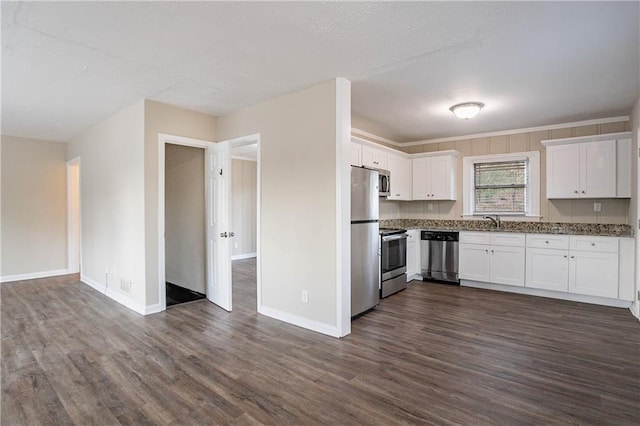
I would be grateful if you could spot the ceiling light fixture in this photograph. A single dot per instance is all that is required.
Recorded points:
(466, 110)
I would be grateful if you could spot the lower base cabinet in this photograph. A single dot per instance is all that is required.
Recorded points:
(498, 259)
(547, 269)
(413, 253)
(594, 274)
(575, 264)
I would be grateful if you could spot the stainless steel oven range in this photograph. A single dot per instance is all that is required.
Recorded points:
(393, 261)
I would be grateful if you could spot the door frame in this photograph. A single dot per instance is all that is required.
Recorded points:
(164, 139)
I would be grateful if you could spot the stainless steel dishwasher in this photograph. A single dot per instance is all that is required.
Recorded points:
(439, 256)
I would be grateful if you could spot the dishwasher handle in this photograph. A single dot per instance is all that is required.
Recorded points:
(394, 237)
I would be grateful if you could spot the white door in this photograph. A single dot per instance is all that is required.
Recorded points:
(218, 225)
(474, 262)
(420, 183)
(593, 273)
(440, 178)
(507, 265)
(547, 269)
(563, 171)
(598, 169)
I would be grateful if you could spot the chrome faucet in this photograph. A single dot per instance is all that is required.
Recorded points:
(495, 221)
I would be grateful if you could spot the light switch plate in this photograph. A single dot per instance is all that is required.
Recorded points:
(597, 207)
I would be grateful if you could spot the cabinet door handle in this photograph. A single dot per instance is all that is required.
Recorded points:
(573, 257)
(565, 256)
(575, 192)
(593, 244)
(492, 251)
(583, 192)
(486, 251)
(546, 242)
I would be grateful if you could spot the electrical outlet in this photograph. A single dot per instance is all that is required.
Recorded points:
(305, 296)
(235, 245)
(125, 285)
(597, 207)
(430, 206)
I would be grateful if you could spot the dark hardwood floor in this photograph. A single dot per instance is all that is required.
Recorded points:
(432, 354)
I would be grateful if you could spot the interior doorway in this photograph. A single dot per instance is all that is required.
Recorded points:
(244, 223)
(185, 246)
(218, 232)
(74, 242)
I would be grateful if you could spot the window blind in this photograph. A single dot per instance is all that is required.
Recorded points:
(500, 187)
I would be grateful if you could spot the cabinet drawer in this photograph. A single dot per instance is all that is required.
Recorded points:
(475, 237)
(507, 239)
(559, 242)
(597, 244)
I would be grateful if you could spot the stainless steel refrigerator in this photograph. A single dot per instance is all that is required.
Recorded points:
(365, 260)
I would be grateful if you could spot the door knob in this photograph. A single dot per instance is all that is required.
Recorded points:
(223, 234)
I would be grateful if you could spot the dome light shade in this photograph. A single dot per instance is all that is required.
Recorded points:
(466, 110)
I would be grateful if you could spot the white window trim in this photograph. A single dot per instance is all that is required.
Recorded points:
(533, 189)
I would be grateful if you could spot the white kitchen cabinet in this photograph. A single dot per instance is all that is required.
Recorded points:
(401, 177)
(594, 274)
(492, 257)
(588, 167)
(547, 269)
(355, 154)
(413, 253)
(576, 264)
(434, 178)
(474, 262)
(374, 158)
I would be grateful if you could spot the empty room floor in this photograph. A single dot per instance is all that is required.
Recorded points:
(432, 354)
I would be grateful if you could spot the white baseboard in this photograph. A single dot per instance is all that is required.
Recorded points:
(316, 326)
(116, 295)
(153, 309)
(34, 275)
(634, 308)
(243, 256)
(617, 303)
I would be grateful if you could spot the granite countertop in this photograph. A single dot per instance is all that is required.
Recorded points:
(600, 229)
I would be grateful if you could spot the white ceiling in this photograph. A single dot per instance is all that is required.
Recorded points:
(68, 65)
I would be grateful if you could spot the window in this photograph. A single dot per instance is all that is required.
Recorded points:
(503, 184)
(500, 187)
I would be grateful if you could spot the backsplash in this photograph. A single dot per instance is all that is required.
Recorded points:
(524, 227)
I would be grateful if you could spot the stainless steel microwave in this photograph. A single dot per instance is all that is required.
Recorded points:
(384, 182)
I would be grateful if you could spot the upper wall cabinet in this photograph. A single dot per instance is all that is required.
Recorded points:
(401, 177)
(355, 154)
(589, 167)
(434, 178)
(374, 158)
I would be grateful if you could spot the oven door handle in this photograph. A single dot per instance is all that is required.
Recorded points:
(394, 237)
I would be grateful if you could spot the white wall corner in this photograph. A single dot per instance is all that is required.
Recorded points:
(343, 207)
(122, 298)
(299, 321)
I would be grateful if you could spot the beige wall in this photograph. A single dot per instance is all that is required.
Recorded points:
(243, 206)
(34, 220)
(298, 212)
(112, 203)
(185, 217)
(162, 118)
(579, 211)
